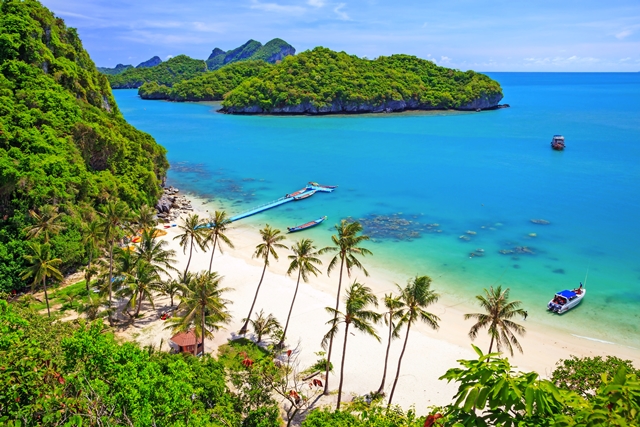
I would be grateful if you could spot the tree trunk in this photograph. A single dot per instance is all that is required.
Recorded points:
(286, 326)
(344, 353)
(139, 305)
(189, 262)
(243, 330)
(203, 334)
(404, 347)
(110, 281)
(46, 296)
(491, 344)
(386, 357)
(326, 379)
(88, 278)
(213, 251)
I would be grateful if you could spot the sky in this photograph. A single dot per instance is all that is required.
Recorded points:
(496, 35)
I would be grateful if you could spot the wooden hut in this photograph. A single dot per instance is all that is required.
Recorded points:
(185, 342)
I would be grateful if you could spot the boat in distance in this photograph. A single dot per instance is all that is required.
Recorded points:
(315, 184)
(557, 142)
(307, 225)
(304, 195)
(564, 301)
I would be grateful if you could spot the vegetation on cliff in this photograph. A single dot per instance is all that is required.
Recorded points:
(118, 69)
(323, 81)
(166, 73)
(210, 86)
(252, 50)
(63, 141)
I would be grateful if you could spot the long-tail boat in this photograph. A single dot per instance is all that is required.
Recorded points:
(307, 225)
(315, 184)
(304, 195)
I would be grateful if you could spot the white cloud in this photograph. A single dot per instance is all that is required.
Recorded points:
(316, 3)
(204, 27)
(444, 59)
(279, 8)
(623, 34)
(628, 58)
(341, 14)
(168, 57)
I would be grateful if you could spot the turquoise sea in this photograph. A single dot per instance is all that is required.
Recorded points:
(421, 180)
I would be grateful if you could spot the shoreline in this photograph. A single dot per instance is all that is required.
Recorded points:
(429, 353)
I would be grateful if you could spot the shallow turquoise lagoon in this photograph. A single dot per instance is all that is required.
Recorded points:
(422, 180)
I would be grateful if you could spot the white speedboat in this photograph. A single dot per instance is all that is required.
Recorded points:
(564, 301)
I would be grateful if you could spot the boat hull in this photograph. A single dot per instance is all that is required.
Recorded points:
(307, 225)
(561, 308)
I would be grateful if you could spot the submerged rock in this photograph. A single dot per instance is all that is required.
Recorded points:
(540, 221)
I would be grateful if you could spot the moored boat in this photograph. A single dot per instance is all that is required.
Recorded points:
(557, 142)
(306, 225)
(564, 301)
(315, 184)
(304, 195)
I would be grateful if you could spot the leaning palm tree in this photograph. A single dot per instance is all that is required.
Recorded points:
(114, 214)
(357, 313)
(193, 232)
(202, 306)
(218, 224)
(264, 325)
(304, 260)
(499, 311)
(91, 237)
(416, 296)
(271, 239)
(47, 223)
(42, 267)
(347, 245)
(393, 313)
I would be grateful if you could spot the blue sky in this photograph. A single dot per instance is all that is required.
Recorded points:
(482, 35)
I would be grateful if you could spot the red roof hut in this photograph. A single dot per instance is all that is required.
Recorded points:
(185, 342)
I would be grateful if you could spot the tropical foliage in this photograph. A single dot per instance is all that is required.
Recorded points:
(166, 73)
(63, 141)
(326, 81)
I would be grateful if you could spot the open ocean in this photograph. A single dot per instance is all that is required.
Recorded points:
(422, 180)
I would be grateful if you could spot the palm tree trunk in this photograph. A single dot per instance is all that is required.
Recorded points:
(202, 325)
(139, 304)
(213, 251)
(491, 344)
(89, 271)
(404, 347)
(110, 281)
(243, 330)
(326, 378)
(386, 357)
(344, 353)
(286, 326)
(189, 262)
(46, 296)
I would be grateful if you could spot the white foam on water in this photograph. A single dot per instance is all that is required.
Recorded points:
(593, 339)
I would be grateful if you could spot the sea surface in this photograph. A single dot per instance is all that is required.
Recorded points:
(448, 194)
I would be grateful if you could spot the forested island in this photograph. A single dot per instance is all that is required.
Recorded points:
(322, 81)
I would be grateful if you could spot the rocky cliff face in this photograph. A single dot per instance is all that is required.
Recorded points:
(150, 62)
(216, 52)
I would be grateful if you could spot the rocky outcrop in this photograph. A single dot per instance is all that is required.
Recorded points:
(216, 52)
(150, 62)
(482, 103)
(171, 204)
(274, 51)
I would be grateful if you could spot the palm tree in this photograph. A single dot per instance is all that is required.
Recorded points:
(91, 309)
(42, 266)
(139, 285)
(202, 306)
(271, 239)
(145, 218)
(218, 224)
(151, 250)
(91, 238)
(357, 301)
(46, 223)
(498, 312)
(193, 232)
(393, 304)
(114, 214)
(264, 325)
(346, 244)
(304, 260)
(416, 296)
(171, 288)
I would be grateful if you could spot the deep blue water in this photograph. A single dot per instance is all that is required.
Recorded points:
(487, 173)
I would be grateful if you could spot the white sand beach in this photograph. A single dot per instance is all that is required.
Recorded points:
(429, 353)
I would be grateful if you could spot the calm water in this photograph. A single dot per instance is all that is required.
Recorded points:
(423, 180)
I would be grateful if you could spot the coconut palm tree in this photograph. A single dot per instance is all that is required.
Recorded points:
(170, 288)
(499, 311)
(304, 260)
(218, 224)
(91, 309)
(271, 239)
(92, 234)
(139, 285)
(144, 218)
(202, 306)
(347, 245)
(193, 232)
(47, 223)
(42, 267)
(393, 305)
(416, 297)
(114, 214)
(264, 325)
(152, 251)
(356, 313)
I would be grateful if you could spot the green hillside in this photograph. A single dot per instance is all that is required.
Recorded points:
(63, 141)
(323, 81)
(275, 50)
(167, 73)
(210, 86)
